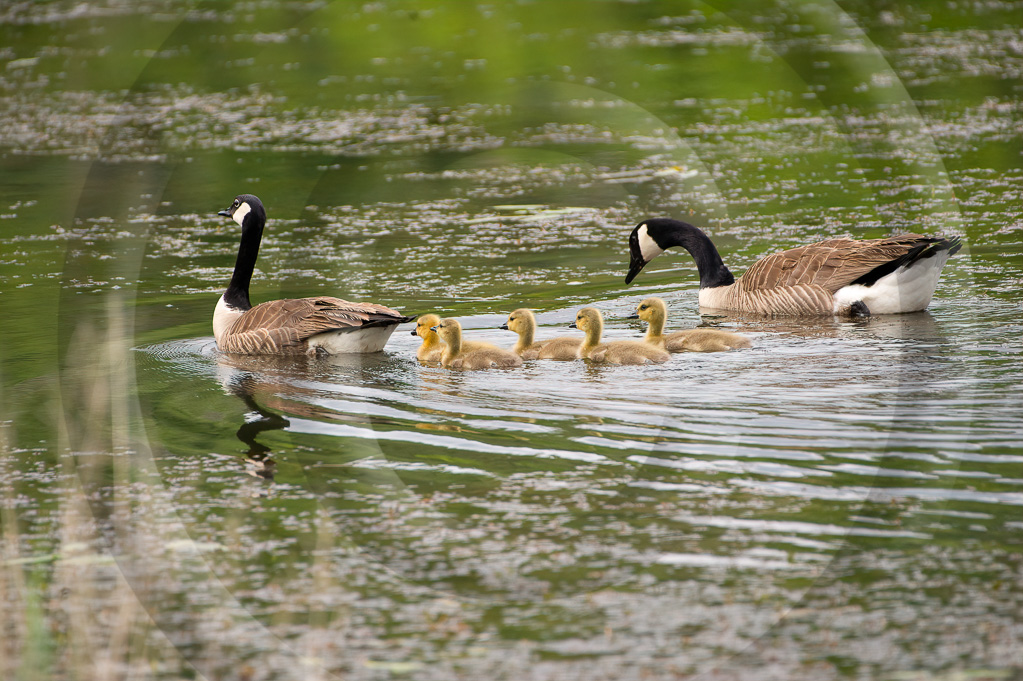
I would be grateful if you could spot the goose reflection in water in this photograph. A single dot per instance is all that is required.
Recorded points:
(261, 465)
(299, 387)
(246, 377)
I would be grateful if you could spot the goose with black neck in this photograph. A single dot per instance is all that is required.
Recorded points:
(293, 326)
(844, 277)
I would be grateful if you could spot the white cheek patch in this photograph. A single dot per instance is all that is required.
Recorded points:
(647, 246)
(241, 212)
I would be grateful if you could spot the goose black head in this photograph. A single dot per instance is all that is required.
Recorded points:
(652, 237)
(243, 205)
(647, 241)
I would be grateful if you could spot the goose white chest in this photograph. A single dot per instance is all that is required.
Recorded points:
(223, 317)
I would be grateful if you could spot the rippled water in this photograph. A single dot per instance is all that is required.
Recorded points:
(842, 500)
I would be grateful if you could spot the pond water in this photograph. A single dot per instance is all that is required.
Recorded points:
(842, 500)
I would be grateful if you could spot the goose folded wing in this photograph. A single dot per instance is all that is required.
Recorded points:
(834, 263)
(289, 322)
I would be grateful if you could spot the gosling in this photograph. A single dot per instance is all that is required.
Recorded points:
(654, 312)
(432, 349)
(591, 322)
(455, 357)
(523, 322)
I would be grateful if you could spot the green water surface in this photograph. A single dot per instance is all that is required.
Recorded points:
(843, 500)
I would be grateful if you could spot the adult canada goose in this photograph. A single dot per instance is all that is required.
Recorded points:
(291, 326)
(432, 349)
(523, 322)
(654, 312)
(591, 322)
(836, 276)
(455, 357)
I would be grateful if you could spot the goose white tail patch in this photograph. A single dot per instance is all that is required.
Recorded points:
(648, 248)
(241, 212)
(907, 289)
(372, 339)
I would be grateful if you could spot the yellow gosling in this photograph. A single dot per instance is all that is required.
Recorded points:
(654, 312)
(456, 357)
(590, 321)
(523, 322)
(432, 349)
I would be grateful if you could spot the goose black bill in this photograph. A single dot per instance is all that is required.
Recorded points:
(636, 262)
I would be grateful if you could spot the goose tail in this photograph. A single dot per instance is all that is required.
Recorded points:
(903, 284)
(928, 247)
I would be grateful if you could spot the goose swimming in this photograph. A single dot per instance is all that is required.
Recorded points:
(832, 277)
(321, 324)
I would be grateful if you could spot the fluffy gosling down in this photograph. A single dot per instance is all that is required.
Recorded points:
(523, 322)
(456, 357)
(432, 349)
(590, 321)
(654, 312)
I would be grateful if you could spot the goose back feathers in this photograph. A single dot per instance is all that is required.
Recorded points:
(301, 325)
(836, 276)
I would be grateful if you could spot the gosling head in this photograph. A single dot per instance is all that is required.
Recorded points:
(519, 321)
(588, 318)
(448, 330)
(423, 325)
(650, 309)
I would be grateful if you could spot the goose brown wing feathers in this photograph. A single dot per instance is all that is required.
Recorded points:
(830, 264)
(279, 325)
